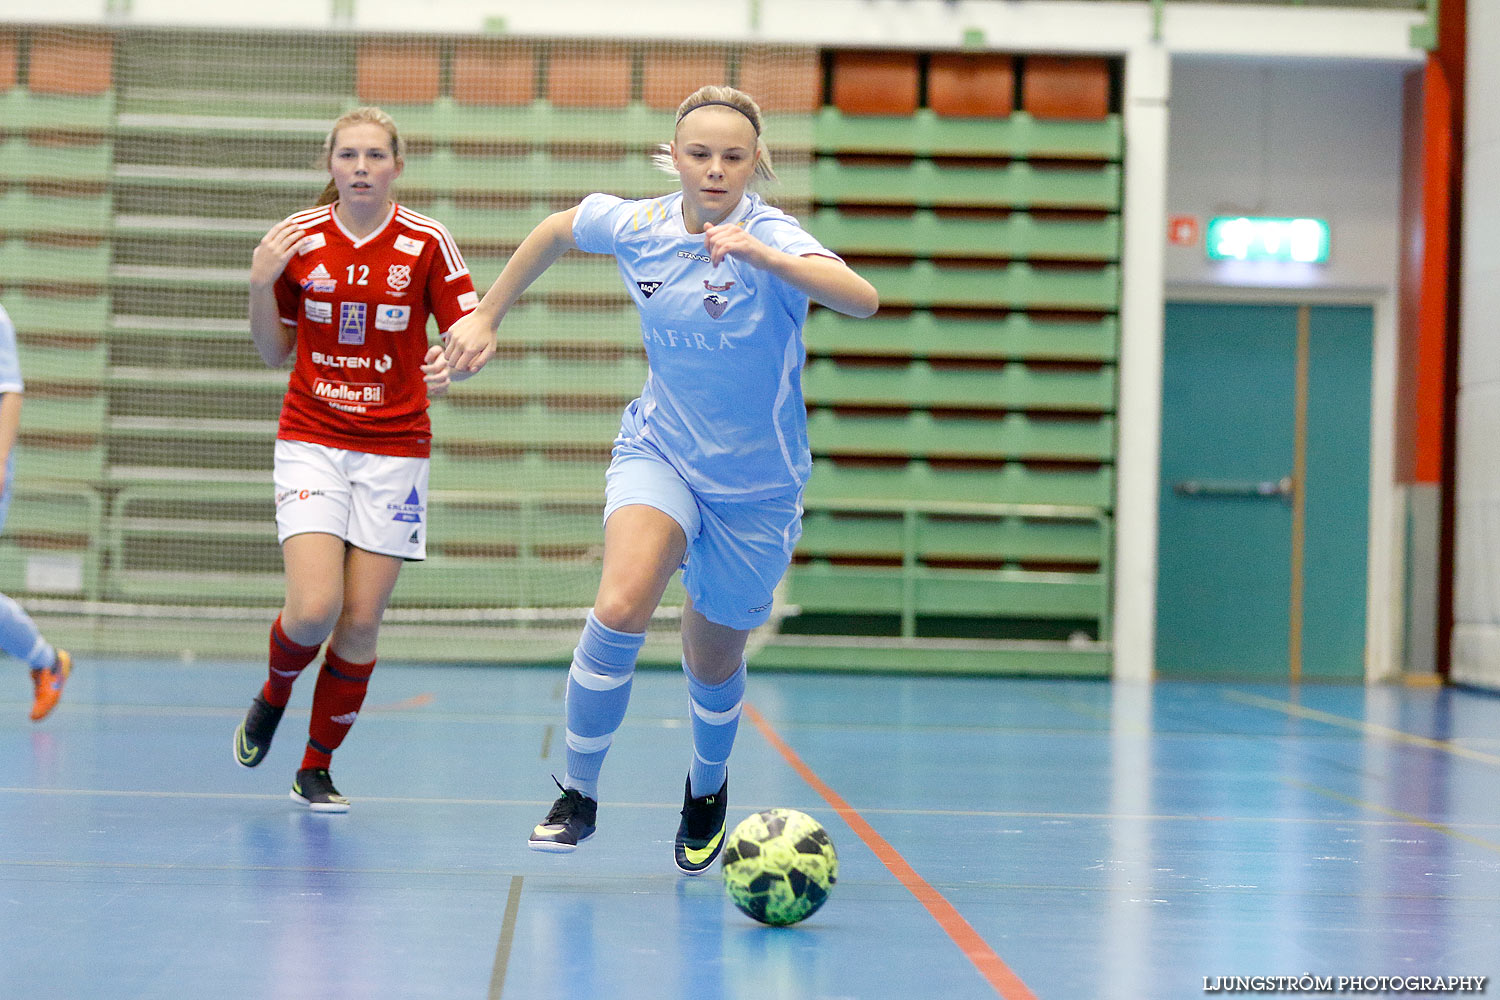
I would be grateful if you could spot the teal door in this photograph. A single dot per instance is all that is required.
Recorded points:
(1264, 509)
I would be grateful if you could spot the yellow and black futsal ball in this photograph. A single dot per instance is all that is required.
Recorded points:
(779, 866)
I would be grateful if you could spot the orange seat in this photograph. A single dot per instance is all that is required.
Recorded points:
(585, 75)
(8, 69)
(397, 72)
(875, 83)
(790, 82)
(669, 76)
(71, 62)
(971, 85)
(494, 74)
(1065, 87)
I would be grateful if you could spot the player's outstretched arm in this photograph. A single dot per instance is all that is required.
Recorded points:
(10, 428)
(471, 341)
(826, 281)
(273, 338)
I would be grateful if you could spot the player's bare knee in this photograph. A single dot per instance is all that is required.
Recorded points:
(623, 612)
(309, 619)
(358, 627)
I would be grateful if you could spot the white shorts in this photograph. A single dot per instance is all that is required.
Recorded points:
(736, 551)
(374, 502)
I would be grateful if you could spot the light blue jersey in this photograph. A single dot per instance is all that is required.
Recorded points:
(723, 400)
(10, 381)
(18, 633)
(10, 362)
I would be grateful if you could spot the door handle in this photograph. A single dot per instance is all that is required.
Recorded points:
(1280, 488)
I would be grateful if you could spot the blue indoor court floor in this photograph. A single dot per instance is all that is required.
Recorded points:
(1066, 840)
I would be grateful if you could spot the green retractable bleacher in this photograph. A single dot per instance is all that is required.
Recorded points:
(959, 514)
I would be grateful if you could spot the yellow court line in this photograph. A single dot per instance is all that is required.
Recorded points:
(1368, 728)
(1426, 824)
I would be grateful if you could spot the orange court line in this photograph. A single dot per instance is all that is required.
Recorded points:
(415, 701)
(1006, 983)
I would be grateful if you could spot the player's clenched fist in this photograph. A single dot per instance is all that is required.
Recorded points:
(729, 240)
(435, 373)
(471, 343)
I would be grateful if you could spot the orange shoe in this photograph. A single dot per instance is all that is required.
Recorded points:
(49, 684)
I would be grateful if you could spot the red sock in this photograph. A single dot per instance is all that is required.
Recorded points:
(336, 701)
(287, 661)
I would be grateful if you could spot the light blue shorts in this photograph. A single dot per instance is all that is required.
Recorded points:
(736, 552)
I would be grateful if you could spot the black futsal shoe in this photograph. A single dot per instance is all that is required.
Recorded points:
(700, 835)
(314, 789)
(569, 822)
(252, 737)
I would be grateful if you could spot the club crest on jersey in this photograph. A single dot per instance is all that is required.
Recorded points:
(399, 277)
(648, 288)
(351, 322)
(410, 511)
(714, 302)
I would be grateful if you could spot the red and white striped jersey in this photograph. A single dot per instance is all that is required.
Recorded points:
(360, 307)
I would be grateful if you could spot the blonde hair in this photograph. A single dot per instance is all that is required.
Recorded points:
(359, 116)
(730, 98)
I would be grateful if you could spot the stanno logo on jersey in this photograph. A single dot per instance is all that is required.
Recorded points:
(399, 276)
(648, 288)
(713, 301)
(408, 245)
(410, 511)
(351, 322)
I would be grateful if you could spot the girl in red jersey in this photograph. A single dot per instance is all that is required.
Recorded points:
(347, 285)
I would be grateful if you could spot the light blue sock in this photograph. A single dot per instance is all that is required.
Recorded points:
(598, 691)
(716, 718)
(20, 638)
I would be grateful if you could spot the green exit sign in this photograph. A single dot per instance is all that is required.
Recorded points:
(1299, 241)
